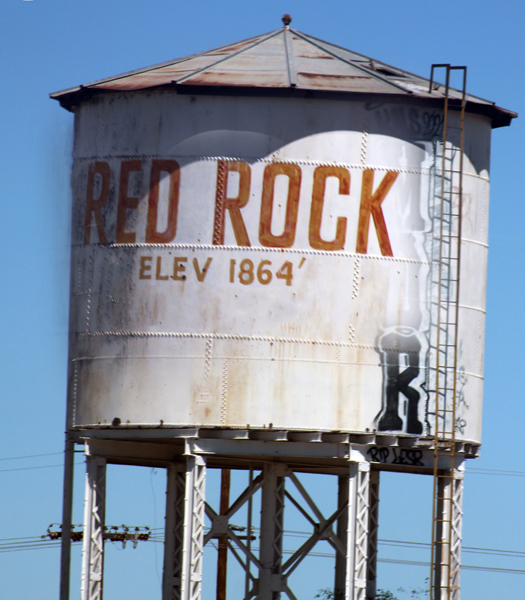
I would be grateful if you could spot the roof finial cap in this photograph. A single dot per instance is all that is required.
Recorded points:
(287, 19)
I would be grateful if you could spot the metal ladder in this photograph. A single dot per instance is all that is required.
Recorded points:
(446, 537)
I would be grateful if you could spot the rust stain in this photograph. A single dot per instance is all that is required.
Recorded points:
(332, 77)
(229, 49)
(144, 80)
(314, 55)
(239, 390)
(238, 79)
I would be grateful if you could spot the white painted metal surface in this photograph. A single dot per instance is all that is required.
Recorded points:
(174, 532)
(94, 514)
(448, 560)
(266, 262)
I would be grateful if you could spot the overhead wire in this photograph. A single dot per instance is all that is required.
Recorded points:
(32, 456)
(157, 535)
(8, 458)
(38, 467)
(477, 471)
(38, 543)
(425, 545)
(474, 470)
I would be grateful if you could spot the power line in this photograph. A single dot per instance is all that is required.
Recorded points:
(158, 536)
(495, 472)
(37, 543)
(467, 549)
(420, 563)
(425, 545)
(32, 456)
(473, 470)
(33, 546)
(39, 467)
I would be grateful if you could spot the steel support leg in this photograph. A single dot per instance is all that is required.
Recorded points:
(94, 511)
(456, 534)
(67, 510)
(172, 575)
(271, 548)
(373, 528)
(193, 528)
(448, 534)
(353, 527)
(222, 559)
(342, 532)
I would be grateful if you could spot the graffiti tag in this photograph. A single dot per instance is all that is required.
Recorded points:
(400, 350)
(396, 456)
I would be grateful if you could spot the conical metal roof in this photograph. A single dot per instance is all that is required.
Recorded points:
(284, 59)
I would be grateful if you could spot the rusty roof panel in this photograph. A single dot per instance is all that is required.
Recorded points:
(262, 65)
(225, 50)
(161, 76)
(304, 50)
(140, 82)
(347, 83)
(213, 78)
(280, 59)
(330, 67)
(248, 64)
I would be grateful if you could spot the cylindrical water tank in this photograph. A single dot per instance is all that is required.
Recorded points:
(254, 245)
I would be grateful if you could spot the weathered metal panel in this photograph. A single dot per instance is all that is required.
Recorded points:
(265, 262)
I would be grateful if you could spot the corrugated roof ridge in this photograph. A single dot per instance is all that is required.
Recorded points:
(289, 53)
(349, 62)
(261, 40)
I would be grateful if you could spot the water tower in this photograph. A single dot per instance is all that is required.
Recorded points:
(278, 264)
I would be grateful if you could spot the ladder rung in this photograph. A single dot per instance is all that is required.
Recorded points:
(443, 521)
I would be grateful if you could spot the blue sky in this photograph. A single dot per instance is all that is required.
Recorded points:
(49, 45)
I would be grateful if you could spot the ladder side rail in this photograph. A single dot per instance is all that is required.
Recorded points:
(447, 338)
(456, 336)
(436, 426)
